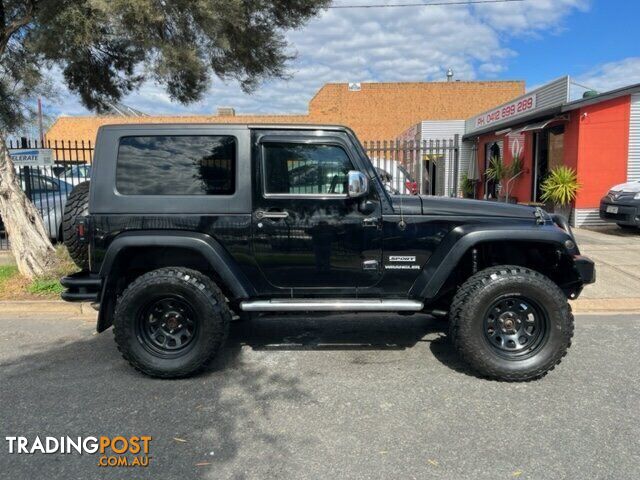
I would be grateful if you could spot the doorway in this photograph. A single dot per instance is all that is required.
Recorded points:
(548, 153)
(491, 150)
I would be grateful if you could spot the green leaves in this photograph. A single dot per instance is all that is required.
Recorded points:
(107, 48)
(497, 169)
(561, 186)
(516, 167)
(467, 185)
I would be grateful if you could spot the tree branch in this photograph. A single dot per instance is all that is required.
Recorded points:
(15, 25)
(2, 14)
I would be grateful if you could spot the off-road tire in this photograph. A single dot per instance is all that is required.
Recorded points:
(471, 304)
(208, 304)
(77, 206)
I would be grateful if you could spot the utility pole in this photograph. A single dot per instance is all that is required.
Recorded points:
(40, 122)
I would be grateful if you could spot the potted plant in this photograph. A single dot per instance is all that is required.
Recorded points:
(513, 172)
(467, 186)
(495, 172)
(560, 189)
(499, 172)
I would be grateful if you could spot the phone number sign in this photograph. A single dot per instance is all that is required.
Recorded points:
(510, 110)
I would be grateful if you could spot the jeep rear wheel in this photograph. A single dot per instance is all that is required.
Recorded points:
(511, 323)
(170, 322)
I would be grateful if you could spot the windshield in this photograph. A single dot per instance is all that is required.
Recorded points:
(395, 178)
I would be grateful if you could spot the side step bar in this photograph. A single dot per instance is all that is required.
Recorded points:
(331, 305)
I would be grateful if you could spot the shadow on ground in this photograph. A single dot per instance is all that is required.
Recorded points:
(334, 332)
(77, 384)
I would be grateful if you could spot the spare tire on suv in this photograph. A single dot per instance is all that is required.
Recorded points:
(77, 206)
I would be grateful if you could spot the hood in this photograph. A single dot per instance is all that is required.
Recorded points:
(410, 204)
(432, 205)
(629, 187)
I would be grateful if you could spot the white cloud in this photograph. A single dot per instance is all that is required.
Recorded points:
(386, 44)
(530, 17)
(612, 75)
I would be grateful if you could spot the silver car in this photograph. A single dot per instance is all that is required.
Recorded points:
(49, 195)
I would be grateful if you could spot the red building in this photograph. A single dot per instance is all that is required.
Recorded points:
(598, 136)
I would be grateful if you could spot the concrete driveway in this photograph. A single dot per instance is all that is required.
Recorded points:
(617, 256)
(362, 397)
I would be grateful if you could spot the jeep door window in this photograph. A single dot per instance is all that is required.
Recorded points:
(305, 169)
(176, 165)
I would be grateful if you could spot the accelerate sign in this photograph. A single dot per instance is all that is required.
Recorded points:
(31, 157)
(514, 109)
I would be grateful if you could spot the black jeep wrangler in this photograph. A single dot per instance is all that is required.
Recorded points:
(184, 227)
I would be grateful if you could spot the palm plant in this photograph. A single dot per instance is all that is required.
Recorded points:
(513, 172)
(467, 186)
(561, 186)
(516, 167)
(497, 170)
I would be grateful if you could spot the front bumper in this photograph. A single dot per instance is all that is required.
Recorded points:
(586, 269)
(81, 287)
(627, 214)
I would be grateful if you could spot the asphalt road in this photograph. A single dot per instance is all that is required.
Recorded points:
(347, 397)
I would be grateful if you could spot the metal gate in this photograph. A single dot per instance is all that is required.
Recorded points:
(412, 167)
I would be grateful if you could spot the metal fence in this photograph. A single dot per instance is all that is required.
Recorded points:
(49, 186)
(406, 167)
(429, 167)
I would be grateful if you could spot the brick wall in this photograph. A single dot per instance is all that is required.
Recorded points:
(377, 111)
(384, 110)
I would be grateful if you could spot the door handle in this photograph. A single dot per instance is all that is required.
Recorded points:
(260, 214)
(370, 222)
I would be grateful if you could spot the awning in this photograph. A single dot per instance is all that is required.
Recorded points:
(534, 127)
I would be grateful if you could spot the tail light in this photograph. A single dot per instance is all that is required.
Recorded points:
(81, 230)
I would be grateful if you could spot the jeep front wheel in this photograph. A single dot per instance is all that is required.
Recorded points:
(170, 322)
(511, 323)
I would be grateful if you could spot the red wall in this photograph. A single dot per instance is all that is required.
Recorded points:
(602, 148)
(521, 187)
(571, 136)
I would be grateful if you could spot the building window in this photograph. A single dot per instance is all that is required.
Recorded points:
(313, 169)
(176, 165)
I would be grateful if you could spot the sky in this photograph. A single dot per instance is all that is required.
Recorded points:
(594, 41)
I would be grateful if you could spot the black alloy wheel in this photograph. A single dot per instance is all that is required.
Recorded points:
(167, 326)
(515, 326)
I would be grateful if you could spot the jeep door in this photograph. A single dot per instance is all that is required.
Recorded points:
(306, 231)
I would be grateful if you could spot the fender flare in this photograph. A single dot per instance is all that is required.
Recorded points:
(205, 245)
(210, 249)
(453, 247)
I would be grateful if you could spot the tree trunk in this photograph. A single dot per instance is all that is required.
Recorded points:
(29, 240)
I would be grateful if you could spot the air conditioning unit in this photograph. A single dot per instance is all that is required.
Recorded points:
(226, 112)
